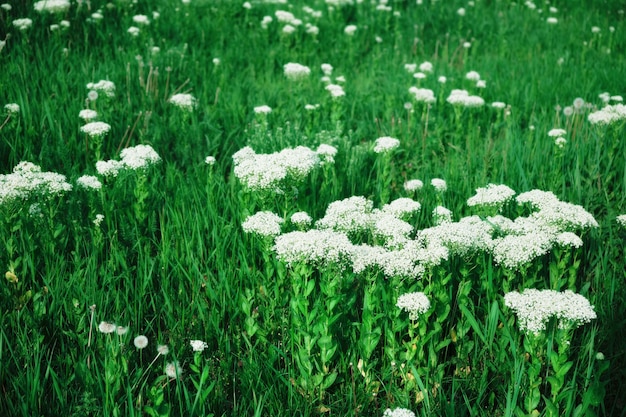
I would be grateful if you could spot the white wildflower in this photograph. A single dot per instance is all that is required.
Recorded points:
(317, 247)
(294, 71)
(386, 144)
(534, 308)
(439, 185)
(89, 182)
(415, 303)
(413, 185)
(198, 345)
(185, 102)
(263, 223)
(103, 86)
(138, 157)
(491, 196)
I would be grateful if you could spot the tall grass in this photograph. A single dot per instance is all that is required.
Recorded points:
(171, 261)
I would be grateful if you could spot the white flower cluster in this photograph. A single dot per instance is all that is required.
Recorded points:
(351, 215)
(23, 23)
(393, 231)
(402, 207)
(103, 86)
(442, 215)
(608, 115)
(491, 196)
(89, 182)
(134, 158)
(264, 109)
(398, 412)
(413, 185)
(12, 108)
(96, 129)
(335, 90)
(326, 153)
(295, 71)
(423, 95)
(512, 251)
(439, 184)
(317, 247)
(109, 168)
(534, 308)
(267, 171)
(185, 102)
(263, 223)
(621, 220)
(140, 156)
(52, 6)
(198, 345)
(301, 219)
(463, 98)
(464, 237)
(88, 115)
(386, 144)
(27, 181)
(415, 303)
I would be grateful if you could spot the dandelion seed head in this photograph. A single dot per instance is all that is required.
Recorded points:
(140, 342)
(106, 327)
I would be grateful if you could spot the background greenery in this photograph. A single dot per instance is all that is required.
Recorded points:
(187, 271)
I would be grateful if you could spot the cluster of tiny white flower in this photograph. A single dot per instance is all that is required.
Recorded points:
(263, 223)
(301, 219)
(423, 95)
(398, 412)
(385, 144)
(89, 182)
(608, 115)
(103, 86)
(267, 171)
(491, 196)
(463, 98)
(140, 156)
(415, 303)
(413, 185)
(28, 181)
(295, 71)
(351, 215)
(96, 129)
(185, 102)
(52, 6)
(534, 308)
(317, 247)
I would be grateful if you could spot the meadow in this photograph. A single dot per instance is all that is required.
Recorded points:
(390, 208)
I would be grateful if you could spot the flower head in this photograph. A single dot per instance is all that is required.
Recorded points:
(263, 223)
(198, 345)
(534, 308)
(104, 86)
(140, 342)
(52, 6)
(185, 102)
(414, 303)
(173, 370)
(106, 327)
(439, 184)
(413, 185)
(295, 71)
(88, 115)
(89, 182)
(138, 157)
(385, 144)
(96, 129)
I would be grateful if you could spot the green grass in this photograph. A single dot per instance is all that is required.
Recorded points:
(172, 262)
